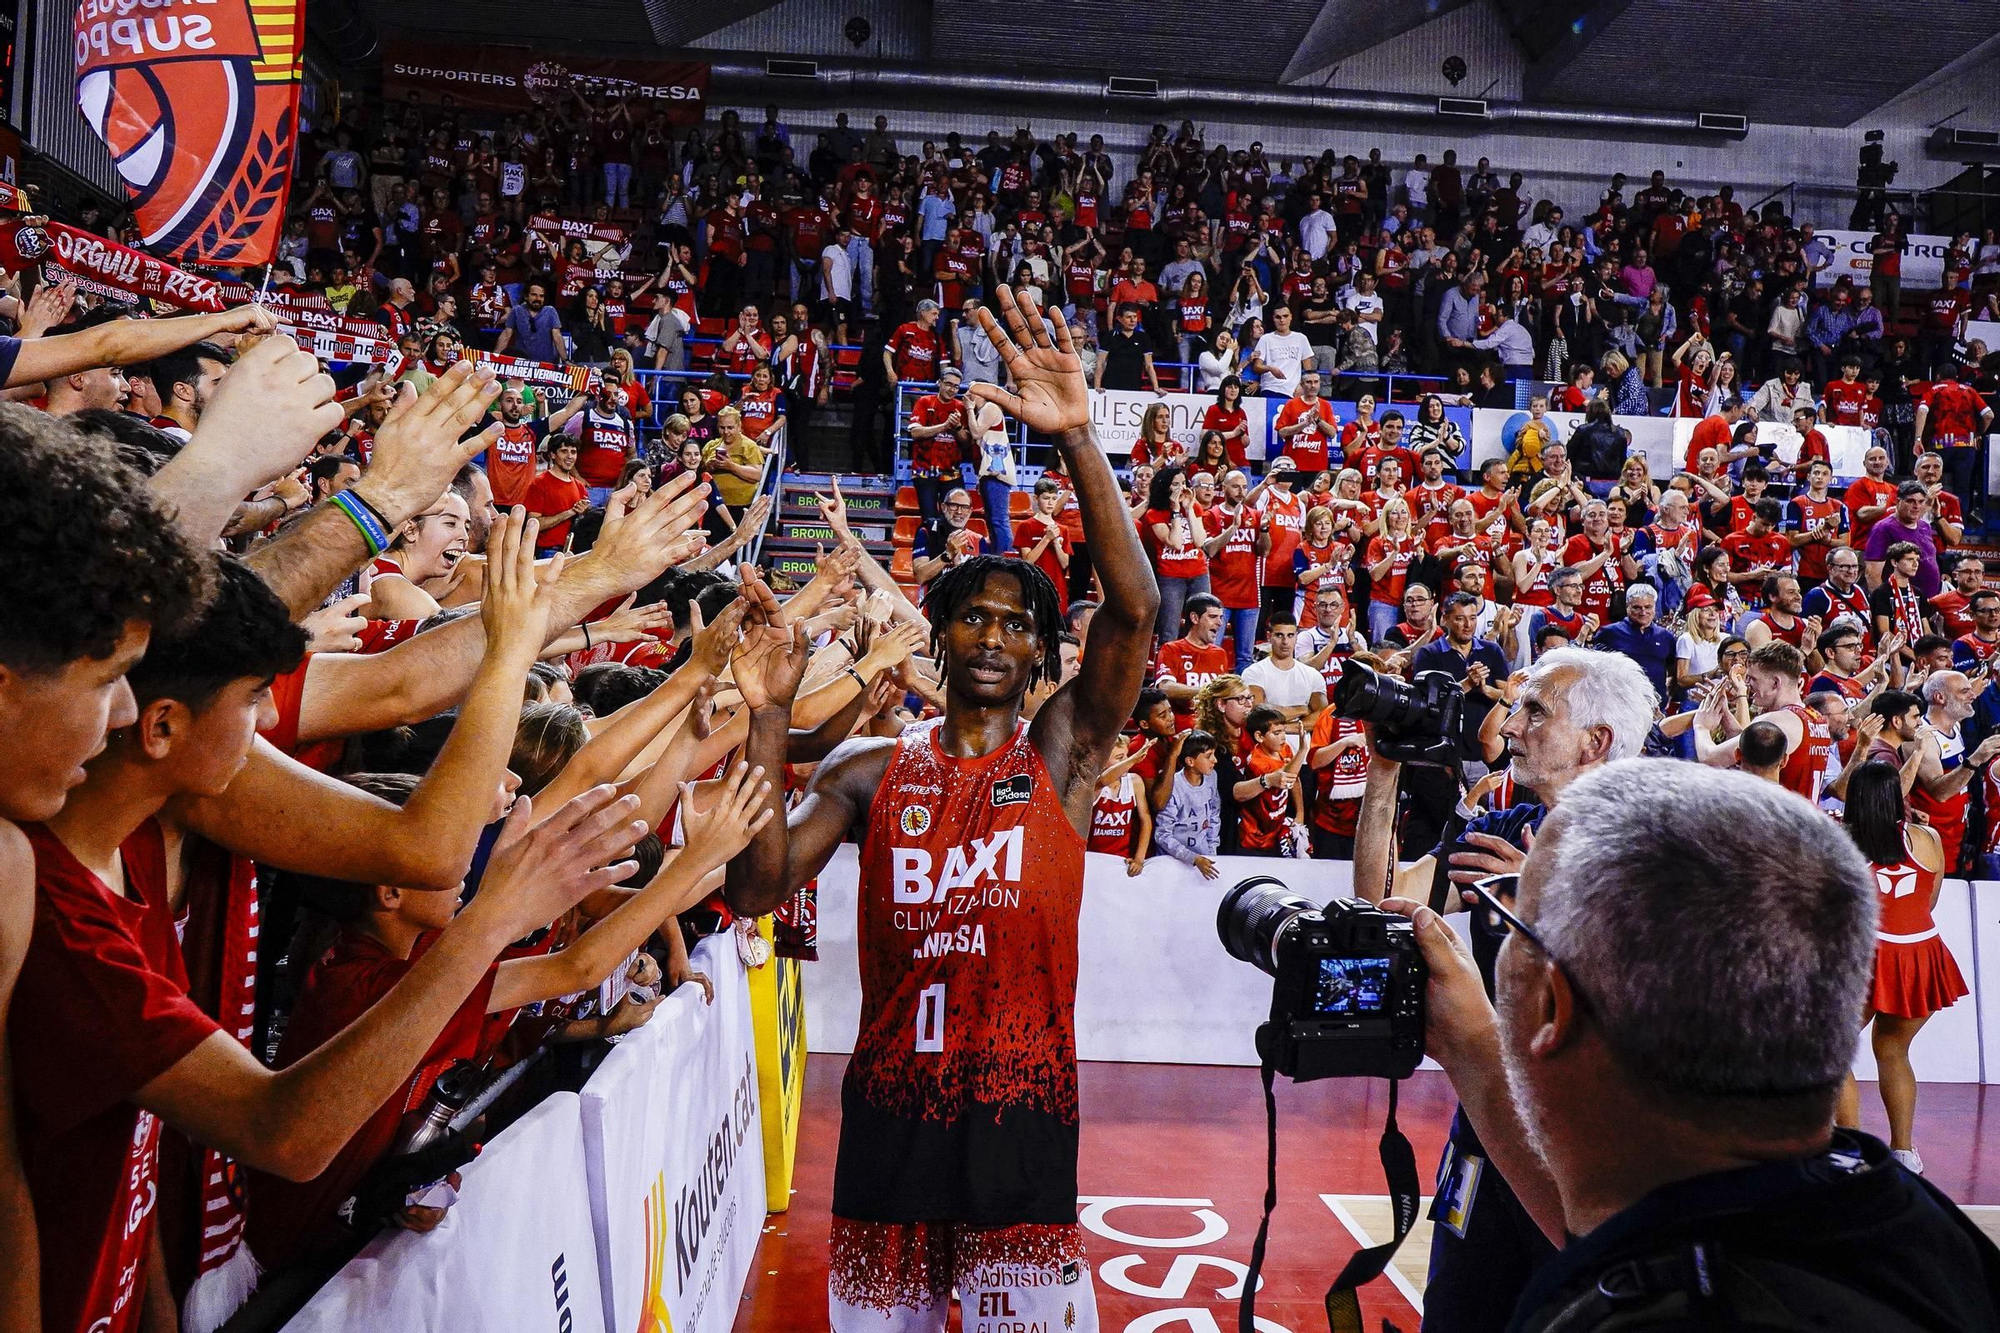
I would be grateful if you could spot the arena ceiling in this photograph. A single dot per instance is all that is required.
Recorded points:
(1830, 62)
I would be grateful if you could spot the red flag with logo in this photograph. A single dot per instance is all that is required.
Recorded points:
(199, 107)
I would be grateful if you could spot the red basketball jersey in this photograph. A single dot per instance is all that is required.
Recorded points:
(960, 1101)
(1805, 766)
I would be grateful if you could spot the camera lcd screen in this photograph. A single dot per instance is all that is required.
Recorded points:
(1351, 987)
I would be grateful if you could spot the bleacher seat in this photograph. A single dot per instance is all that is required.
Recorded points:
(900, 568)
(906, 500)
(1020, 504)
(906, 528)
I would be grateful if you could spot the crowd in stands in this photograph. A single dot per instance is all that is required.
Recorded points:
(354, 730)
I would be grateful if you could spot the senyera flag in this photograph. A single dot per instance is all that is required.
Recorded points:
(199, 106)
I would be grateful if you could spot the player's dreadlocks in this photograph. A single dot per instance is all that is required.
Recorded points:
(952, 589)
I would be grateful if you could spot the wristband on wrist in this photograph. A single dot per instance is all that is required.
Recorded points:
(856, 677)
(374, 535)
(381, 519)
(586, 636)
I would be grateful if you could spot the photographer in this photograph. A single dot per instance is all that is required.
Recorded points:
(1577, 710)
(1672, 1022)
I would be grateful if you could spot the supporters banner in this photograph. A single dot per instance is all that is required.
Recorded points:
(14, 199)
(104, 268)
(675, 1158)
(517, 1250)
(198, 104)
(778, 1014)
(1923, 262)
(493, 77)
(1116, 414)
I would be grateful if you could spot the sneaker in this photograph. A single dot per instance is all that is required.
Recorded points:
(1909, 1158)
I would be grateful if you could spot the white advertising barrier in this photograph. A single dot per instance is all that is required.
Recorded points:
(515, 1251)
(1982, 972)
(1155, 987)
(1116, 414)
(1493, 431)
(1948, 1049)
(1923, 262)
(1663, 440)
(675, 1158)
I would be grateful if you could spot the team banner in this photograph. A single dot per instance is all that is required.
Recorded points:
(492, 77)
(517, 1250)
(676, 1159)
(104, 268)
(344, 344)
(561, 231)
(198, 103)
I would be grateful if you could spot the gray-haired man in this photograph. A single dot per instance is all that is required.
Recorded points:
(1673, 1017)
(1578, 710)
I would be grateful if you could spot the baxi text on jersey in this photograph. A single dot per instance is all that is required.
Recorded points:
(996, 857)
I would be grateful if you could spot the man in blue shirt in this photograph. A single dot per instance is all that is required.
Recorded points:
(533, 330)
(1639, 638)
(1477, 664)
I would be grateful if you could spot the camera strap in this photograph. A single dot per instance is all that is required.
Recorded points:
(1399, 1170)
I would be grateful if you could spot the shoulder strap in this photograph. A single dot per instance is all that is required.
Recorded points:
(1699, 1286)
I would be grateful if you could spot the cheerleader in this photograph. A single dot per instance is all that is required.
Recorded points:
(1915, 975)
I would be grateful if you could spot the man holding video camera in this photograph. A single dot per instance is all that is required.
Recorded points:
(1577, 710)
(1672, 1017)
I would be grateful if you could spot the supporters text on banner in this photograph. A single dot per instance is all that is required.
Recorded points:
(198, 104)
(492, 77)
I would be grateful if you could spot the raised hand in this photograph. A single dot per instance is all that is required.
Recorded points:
(48, 307)
(420, 448)
(517, 602)
(714, 835)
(633, 551)
(632, 624)
(336, 628)
(713, 644)
(538, 871)
(267, 413)
(891, 649)
(768, 673)
(1049, 392)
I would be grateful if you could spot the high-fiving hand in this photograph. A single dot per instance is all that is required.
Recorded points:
(1049, 392)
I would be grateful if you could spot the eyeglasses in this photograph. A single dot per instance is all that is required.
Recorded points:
(1494, 893)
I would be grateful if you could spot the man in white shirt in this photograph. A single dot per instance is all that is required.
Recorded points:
(1360, 297)
(1316, 229)
(1542, 235)
(1417, 185)
(1279, 355)
(836, 282)
(1282, 680)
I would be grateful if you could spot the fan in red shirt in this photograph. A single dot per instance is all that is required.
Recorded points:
(1847, 397)
(1306, 424)
(510, 459)
(1605, 558)
(1388, 558)
(1870, 496)
(938, 433)
(1266, 820)
(912, 355)
(1039, 537)
(1381, 440)
(1186, 664)
(1226, 418)
(556, 496)
(1431, 499)
(1285, 522)
(1759, 549)
(1237, 537)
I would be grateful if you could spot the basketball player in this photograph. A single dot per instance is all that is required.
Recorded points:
(958, 1142)
(1773, 681)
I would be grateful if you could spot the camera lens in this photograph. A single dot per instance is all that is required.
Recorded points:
(1367, 695)
(1253, 915)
